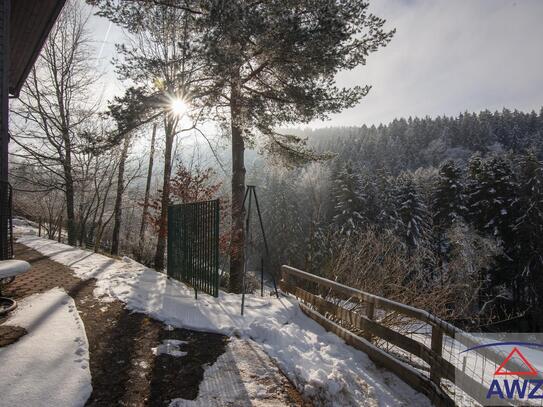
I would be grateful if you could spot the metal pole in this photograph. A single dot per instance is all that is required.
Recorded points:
(247, 237)
(265, 240)
(169, 249)
(216, 253)
(262, 276)
(245, 196)
(261, 223)
(60, 230)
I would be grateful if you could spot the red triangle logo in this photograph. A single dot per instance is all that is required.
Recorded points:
(500, 371)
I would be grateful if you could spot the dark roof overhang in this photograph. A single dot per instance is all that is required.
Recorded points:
(31, 22)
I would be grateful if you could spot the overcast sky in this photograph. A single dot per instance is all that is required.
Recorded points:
(446, 57)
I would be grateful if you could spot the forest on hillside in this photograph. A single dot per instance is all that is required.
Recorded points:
(445, 214)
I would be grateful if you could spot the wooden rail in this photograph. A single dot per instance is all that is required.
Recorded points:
(317, 308)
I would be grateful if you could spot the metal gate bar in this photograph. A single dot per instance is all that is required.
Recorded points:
(193, 245)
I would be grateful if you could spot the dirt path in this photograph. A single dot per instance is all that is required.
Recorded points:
(124, 370)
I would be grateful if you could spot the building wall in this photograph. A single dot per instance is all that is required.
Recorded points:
(5, 207)
(4, 85)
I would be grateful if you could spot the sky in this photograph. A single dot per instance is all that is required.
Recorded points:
(447, 57)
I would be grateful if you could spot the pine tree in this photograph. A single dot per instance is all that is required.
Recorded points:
(413, 221)
(282, 221)
(493, 201)
(348, 200)
(528, 228)
(449, 201)
(370, 199)
(388, 213)
(270, 70)
(492, 195)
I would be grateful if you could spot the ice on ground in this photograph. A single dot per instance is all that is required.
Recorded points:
(321, 365)
(170, 347)
(49, 366)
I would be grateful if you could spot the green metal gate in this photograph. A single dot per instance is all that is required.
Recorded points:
(193, 245)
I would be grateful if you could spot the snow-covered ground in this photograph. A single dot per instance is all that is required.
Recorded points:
(242, 376)
(320, 364)
(53, 355)
(24, 226)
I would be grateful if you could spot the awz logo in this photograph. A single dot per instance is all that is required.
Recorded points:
(512, 389)
(525, 389)
(515, 378)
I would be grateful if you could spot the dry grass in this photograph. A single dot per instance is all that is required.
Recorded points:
(377, 262)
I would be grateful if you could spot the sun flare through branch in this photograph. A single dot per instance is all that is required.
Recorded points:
(178, 106)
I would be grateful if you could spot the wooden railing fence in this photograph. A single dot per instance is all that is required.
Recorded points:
(347, 324)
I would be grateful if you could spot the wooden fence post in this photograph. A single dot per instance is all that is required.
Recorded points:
(437, 349)
(370, 314)
(283, 279)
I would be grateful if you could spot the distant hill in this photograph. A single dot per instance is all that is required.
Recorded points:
(408, 144)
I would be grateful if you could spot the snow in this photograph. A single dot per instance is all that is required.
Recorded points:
(49, 366)
(11, 268)
(242, 376)
(24, 226)
(321, 365)
(170, 347)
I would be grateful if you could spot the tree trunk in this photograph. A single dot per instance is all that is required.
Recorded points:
(119, 199)
(147, 193)
(70, 205)
(100, 228)
(82, 233)
(237, 238)
(50, 229)
(82, 221)
(165, 200)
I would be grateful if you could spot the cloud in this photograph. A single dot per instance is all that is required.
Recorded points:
(451, 56)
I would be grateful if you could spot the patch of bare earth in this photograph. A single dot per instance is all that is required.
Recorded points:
(10, 334)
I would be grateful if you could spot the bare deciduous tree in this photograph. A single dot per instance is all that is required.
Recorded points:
(51, 120)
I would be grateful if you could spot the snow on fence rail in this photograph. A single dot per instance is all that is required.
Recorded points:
(430, 361)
